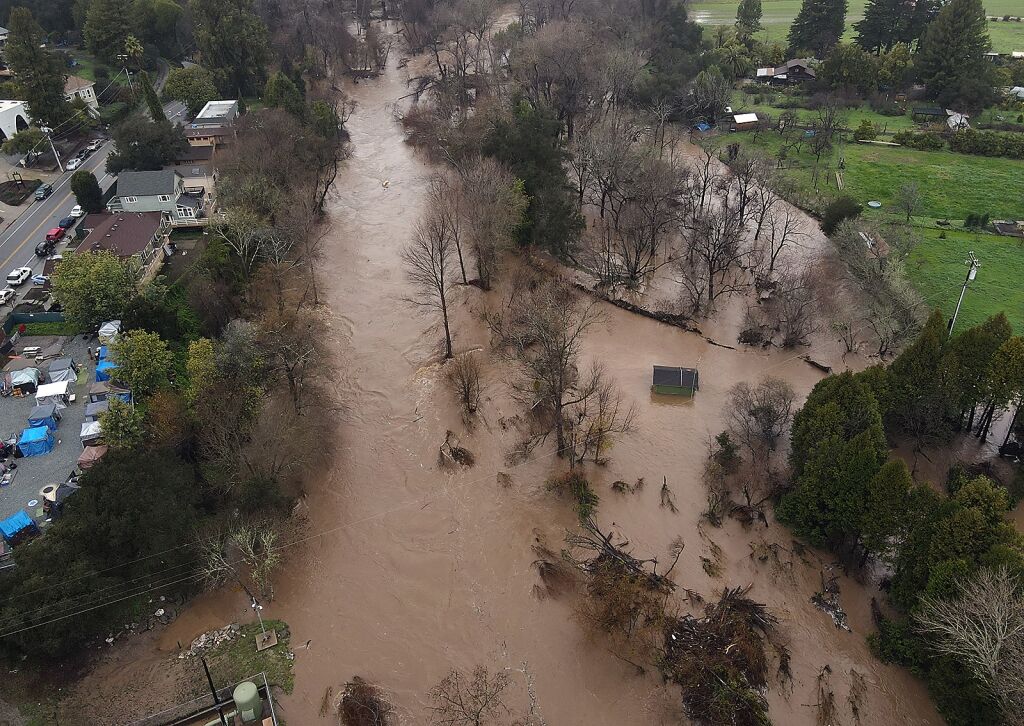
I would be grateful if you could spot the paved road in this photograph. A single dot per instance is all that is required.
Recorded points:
(17, 244)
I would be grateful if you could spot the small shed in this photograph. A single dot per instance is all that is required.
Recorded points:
(36, 441)
(105, 390)
(45, 414)
(675, 381)
(744, 121)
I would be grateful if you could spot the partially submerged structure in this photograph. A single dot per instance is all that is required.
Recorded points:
(674, 381)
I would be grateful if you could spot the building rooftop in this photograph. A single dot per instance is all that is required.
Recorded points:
(193, 154)
(146, 183)
(125, 233)
(8, 105)
(199, 131)
(73, 84)
(217, 109)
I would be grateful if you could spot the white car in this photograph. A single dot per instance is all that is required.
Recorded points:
(76, 211)
(18, 275)
(73, 164)
(6, 295)
(95, 145)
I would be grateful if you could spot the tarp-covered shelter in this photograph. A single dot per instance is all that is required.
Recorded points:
(53, 500)
(16, 527)
(104, 390)
(58, 394)
(94, 409)
(62, 369)
(102, 353)
(108, 331)
(91, 433)
(90, 456)
(45, 414)
(16, 364)
(675, 381)
(104, 370)
(26, 380)
(36, 441)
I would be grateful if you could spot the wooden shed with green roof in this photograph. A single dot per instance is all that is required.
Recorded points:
(675, 381)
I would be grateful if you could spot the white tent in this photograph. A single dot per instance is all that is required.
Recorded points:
(58, 394)
(91, 432)
(109, 330)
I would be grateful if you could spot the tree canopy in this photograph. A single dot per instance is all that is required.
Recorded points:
(193, 86)
(87, 191)
(40, 73)
(233, 43)
(818, 26)
(143, 361)
(951, 58)
(108, 24)
(144, 145)
(92, 287)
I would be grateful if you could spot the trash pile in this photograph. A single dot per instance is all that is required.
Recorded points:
(210, 640)
(827, 600)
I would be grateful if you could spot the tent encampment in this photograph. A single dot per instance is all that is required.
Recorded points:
(90, 456)
(17, 526)
(108, 331)
(36, 441)
(62, 369)
(91, 433)
(95, 409)
(44, 415)
(58, 394)
(104, 390)
(26, 379)
(104, 370)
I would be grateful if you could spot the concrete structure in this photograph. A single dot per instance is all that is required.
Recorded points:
(78, 87)
(13, 118)
(158, 191)
(217, 113)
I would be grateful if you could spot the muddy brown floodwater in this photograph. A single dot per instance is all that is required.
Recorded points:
(412, 569)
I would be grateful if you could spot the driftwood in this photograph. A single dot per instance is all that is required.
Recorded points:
(820, 366)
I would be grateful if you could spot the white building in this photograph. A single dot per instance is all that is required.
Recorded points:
(216, 113)
(13, 118)
(77, 87)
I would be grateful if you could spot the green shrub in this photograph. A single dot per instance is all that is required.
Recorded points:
(988, 143)
(114, 112)
(927, 141)
(843, 207)
(865, 132)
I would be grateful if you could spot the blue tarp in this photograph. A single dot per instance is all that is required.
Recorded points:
(702, 127)
(44, 415)
(103, 352)
(12, 526)
(45, 421)
(36, 441)
(104, 369)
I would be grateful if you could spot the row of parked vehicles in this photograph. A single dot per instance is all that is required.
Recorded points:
(45, 190)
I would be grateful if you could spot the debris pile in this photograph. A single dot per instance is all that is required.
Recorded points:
(210, 640)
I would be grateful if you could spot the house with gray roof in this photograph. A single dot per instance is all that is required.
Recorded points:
(158, 191)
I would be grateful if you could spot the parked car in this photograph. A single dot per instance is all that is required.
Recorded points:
(76, 211)
(56, 234)
(40, 279)
(18, 275)
(73, 164)
(67, 222)
(6, 295)
(44, 248)
(95, 145)
(43, 192)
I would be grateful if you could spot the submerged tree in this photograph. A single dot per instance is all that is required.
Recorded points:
(430, 265)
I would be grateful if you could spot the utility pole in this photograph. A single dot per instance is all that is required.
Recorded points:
(213, 690)
(49, 137)
(972, 272)
(123, 60)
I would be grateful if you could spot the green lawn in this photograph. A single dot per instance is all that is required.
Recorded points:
(936, 267)
(779, 14)
(952, 185)
(745, 102)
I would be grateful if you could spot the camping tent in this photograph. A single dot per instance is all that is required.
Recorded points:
(36, 441)
(55, 393)
(17, 526)
(93, 410)
(104, 370)
(44, 415)
(90, 456)
(109, 330)
(63, 369)
(91, 434)
(26, 379)
(104, 390)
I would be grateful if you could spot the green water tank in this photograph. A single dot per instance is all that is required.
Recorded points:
(248, 702)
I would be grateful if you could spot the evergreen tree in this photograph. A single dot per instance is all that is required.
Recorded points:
(818, 26)
(40, 73)
(193, 86)
(232, 41)
(108, 23)
(281, 92)
(951, 57)
(884, 514)
(920, 404)
(748, 19)
(888, 22)
(142, 145)
(156, 109)
(531, 145)
(87, 191)
(969, 363)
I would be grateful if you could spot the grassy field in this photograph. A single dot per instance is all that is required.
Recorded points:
(779, 14)
(936, 267)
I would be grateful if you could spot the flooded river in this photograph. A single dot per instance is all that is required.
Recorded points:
(412, 569)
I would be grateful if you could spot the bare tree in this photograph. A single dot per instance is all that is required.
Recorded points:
(464, 376)
(430, 265)
(715, 249)
(469, 700)
(759, 415)
(983, 627)
(783, 230)
(909, 199)
(595, 416)
(492, 207)
(795, 306)
(293, 343)
(542, 328)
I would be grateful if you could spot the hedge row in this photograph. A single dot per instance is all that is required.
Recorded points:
(988, 143)
(927, 141)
